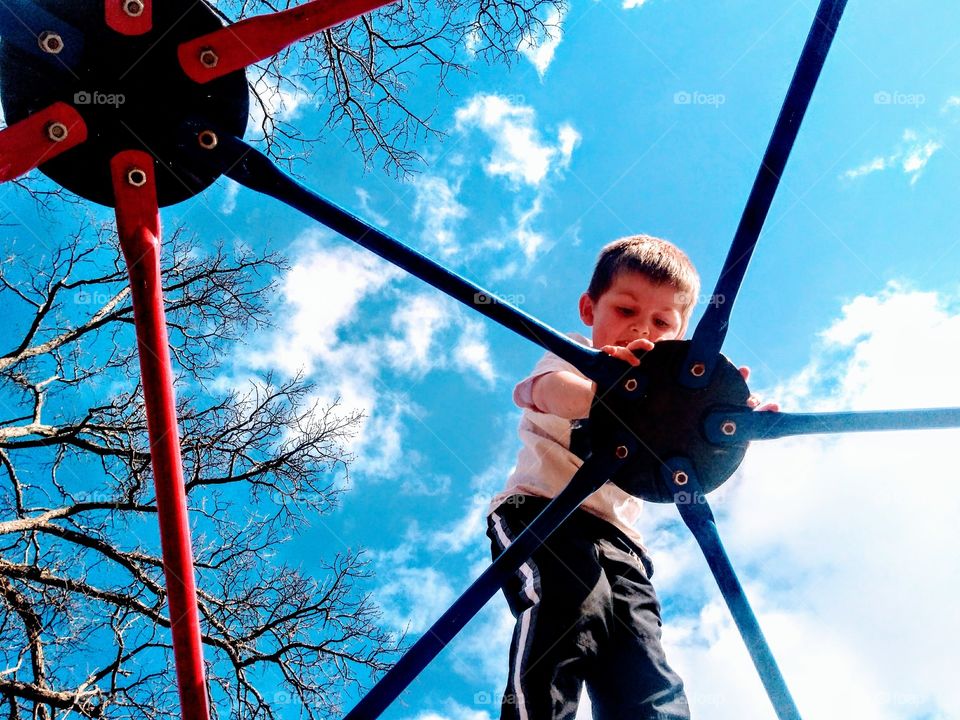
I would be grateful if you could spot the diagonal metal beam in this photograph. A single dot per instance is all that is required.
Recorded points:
(249, 41)
(696, 513)
(712, 328)
(591, 476)
(251, 168)
(739, 426)
(39, 138)
(138, 225)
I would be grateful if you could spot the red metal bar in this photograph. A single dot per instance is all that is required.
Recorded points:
(129, 17)
(39, 138)
(234, 47)
(138, 223)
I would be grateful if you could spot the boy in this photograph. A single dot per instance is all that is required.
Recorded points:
(586, 611)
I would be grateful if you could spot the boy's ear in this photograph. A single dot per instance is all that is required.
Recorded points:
(586, 310)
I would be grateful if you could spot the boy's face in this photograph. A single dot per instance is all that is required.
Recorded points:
(633, 307)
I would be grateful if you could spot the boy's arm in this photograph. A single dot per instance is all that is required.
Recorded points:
(570, 396)
(564, 394)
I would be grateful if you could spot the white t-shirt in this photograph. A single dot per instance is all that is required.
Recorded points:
(545, 463)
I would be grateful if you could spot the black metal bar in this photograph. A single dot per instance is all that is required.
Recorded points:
(712, 328)
(750, 425)
(591, 475)
(696, 513)
(23, 22)
(251, 168)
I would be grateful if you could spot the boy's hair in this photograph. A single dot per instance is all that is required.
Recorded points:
(661, 261)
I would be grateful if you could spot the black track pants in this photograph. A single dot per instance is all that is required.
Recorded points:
(586, 613)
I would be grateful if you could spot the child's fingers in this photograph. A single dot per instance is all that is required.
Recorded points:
(745, 372)
(621, 353)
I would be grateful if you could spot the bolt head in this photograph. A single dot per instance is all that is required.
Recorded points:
(208, 58)
(680, 477)
(50, 42)
(622, 451)
(134, 8)
(630, 385)
(698, 369)
(729, 427)
(207, 139)
(57, 131)
(136, 177)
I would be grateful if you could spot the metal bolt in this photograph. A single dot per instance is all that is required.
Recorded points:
(136, 177)
(134, 8)
(622, 451)
(680, 477)
(698, 369)
(57, 131)
(208, 139)
(729, 427)
(208, 58)
(50, 42)
(630, 385)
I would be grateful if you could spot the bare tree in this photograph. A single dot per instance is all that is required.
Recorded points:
(83, 621)
(357, 74)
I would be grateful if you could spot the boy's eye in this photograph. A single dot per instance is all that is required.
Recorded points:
(660, 322)
(625, 311)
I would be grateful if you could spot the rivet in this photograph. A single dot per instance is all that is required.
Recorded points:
(57, 131)
(208, 58)
(698, 369)
(630, 385)
(729, 427)
(136, 177)
(134, 8)
(622, 451)
(50, 42)
(208, 139)
(680, 477)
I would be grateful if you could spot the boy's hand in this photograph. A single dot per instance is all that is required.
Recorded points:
(626, 352)
(753, 401)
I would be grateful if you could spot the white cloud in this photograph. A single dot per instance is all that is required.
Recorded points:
(911, 156)
(628, 4)
(366, 209)
(519, 153)
(540, 45)
(282, 103)
(875, 165)
(326, 302)
(418, 319)
(846, 544)
(414, 597)
(472, 352)
(437, 207)
(952, 103)
(230, 194)
(321, 294)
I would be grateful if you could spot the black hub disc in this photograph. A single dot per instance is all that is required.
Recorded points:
(132, 94)
(667, 418)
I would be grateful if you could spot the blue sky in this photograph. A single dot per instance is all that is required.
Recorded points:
(651, 117)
